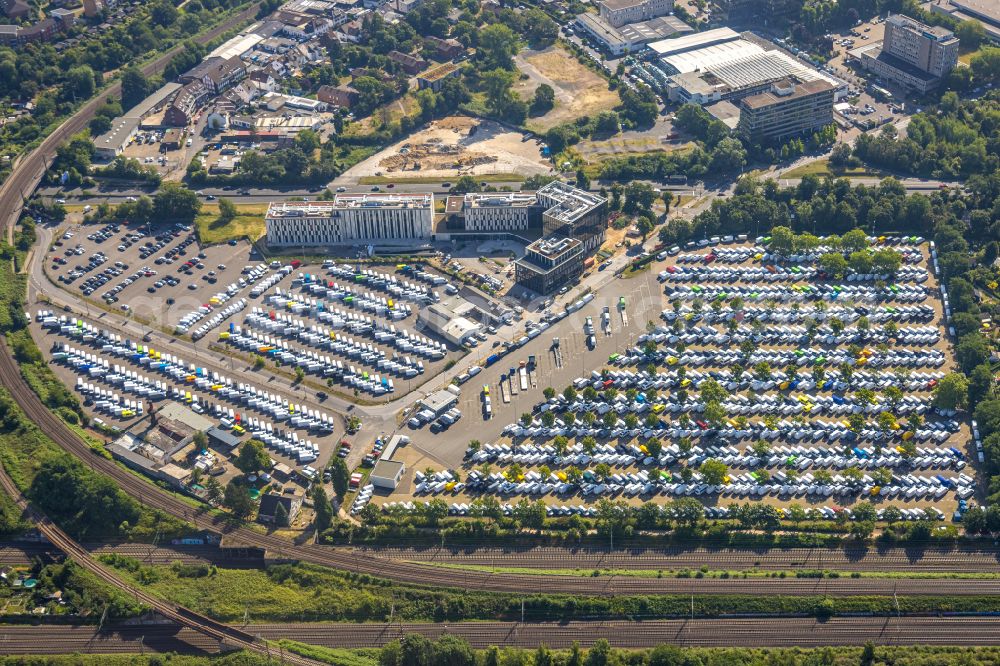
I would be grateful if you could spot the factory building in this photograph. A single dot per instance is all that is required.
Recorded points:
(631, 37)
(377, 219)
(720, 65)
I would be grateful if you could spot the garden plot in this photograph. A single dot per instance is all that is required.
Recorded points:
(767, 379)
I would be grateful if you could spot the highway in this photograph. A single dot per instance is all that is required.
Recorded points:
(722, 632)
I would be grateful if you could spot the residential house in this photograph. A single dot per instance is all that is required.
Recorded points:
(444, 49)
(187, 102)
(92, 8)
(404, 6)
(15, 9)
(217, 73)
(269, 511)
(64, 16)
(410, 64)
(264, 80)
(344, 96)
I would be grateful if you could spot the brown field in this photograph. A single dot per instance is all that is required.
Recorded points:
(579, 91)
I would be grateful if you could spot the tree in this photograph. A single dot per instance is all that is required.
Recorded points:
(834, 264)
(600, 654)
(339, 477)
(176, 203)
(323, 512)
(280, 515)
(543, 101)
(135, 86)
(79, 83)
(971, 34)
(980, 384)
(582, 180)
(227, 211)
(854, 240)
(654, 447)
(213, 490)
(607, 123)
(252, 457)
(465, 184)
(639, 198)
(714, 472)
(645, 225)
(972, 350)
(952, 391)
(497, 46)
(549, 392)
(237, 499)
(728, 156)
(539, 28)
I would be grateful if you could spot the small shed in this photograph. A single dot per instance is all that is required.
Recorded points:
(387, 473)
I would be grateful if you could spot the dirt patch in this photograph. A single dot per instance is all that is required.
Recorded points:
(579, 90)
(452, 147)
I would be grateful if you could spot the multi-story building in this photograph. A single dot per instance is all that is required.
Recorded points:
(789, 108)
(930, 48)
(377, 219)
(549, 263)
(188, 100)
(217, 73)
(911, 54)
(501, 211)
(573, 213)
(619, 12)
(343, 95)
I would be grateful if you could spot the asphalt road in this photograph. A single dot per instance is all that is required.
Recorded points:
(32, 167)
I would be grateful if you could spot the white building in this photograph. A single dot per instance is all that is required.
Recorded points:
(619, 12)
(378, 219)
(499, 211)
(451, 323)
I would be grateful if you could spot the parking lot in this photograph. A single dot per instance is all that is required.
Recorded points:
(159, 273)
(806, 365)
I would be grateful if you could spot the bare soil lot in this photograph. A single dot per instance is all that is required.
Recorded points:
(579, 91)
(453, 147)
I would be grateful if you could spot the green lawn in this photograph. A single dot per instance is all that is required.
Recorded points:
(822, 168)
(211, 230)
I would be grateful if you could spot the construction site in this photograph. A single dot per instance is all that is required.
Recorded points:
(456, 146)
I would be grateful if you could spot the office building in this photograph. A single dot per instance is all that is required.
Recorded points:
(501, 211)
(619, 12)
(789, 108)
(573, 213)
(376, 219)
(550, 263)
(911, 54)
(630, 37)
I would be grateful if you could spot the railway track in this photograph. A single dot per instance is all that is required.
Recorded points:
(928, 560)
(23, 552)
(223, 634)
(726, 632)
(366, 561)
(28, 174)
